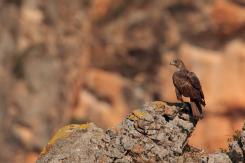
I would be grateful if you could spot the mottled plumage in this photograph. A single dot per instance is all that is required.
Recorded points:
(187, 84)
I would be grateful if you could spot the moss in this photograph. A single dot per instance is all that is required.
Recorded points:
(158, 105)
(63, 133)
(136, 115)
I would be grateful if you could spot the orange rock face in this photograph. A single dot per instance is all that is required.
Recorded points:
(227, 17)
(101, 100)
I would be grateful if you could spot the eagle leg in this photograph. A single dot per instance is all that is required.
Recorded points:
(178, 95)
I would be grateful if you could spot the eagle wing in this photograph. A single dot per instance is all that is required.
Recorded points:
(184, 85)
(195, 83)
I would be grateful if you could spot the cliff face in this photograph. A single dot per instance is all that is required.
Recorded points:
(158, 132)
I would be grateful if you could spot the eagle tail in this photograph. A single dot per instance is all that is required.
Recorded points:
(197, 110)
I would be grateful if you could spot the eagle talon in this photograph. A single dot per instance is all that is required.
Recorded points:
(184, 105)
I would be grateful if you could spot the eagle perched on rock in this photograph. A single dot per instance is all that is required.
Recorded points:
(187, 84)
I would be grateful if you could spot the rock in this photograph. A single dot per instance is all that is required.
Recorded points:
(36, 85)
(216, 158)
(74, 143)
(145, 135)
(98, 101)
(243, 140)
(236, 153)
(228, 17)
(236, 147)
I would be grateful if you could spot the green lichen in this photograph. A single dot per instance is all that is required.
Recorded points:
(62, 133)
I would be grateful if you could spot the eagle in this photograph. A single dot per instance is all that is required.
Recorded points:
(187, 84)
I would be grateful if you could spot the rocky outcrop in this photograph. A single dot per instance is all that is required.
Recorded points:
(158, 132)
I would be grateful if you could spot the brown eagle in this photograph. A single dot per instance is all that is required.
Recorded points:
(187, 84)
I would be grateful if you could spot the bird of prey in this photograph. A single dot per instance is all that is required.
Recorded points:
(187, 84)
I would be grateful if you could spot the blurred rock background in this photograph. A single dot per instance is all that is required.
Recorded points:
(96, 60)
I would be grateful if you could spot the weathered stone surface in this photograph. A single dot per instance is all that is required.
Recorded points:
(216, 158)
(152, 133)
(243, 140)
(236, 152)
(74, 143)
(236, 147)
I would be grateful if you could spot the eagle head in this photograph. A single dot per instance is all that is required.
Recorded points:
(178, 63)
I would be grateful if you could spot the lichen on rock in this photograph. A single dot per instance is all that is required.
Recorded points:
(63, 133)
